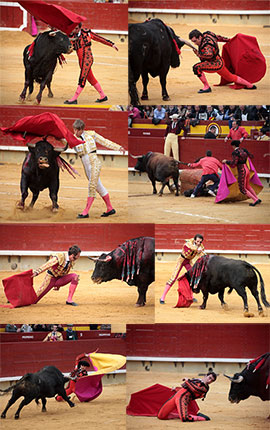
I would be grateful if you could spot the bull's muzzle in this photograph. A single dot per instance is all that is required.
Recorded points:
(234, 400)
(43, 163)
(97, 280)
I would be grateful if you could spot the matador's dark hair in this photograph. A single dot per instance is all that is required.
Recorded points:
(74, 250)
(195, 33)
(213, 374)
(200, 236)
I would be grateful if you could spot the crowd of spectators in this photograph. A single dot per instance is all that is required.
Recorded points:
(193, 114)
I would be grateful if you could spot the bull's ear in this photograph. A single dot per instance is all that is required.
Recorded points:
(31, 146)
(107, 259)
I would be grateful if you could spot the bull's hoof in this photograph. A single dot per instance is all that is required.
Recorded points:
(166, 98)
(139, 305)
(37, 102)
(225, 306)
(20, 206)
(202, 307)
(248, 314)
(160, 194)
(262, 314)
(43, 410)
(71, 404)
(50, 95)
(16, 417)
(55, 210)
(21, 100)
(3, 416)
(144, 97)
(29, 98)
(176, 194)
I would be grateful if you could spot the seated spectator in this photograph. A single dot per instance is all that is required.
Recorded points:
(133, 113)
(263, 113)
(54, 336)
(210, 112)
(25, 328)
(148, 112)
(220, 113)
(241, 113)
(236, 132)
(262, 134)
(170, 110)
(10, 328)
(70, 333)
(93, 326)
(159, 114)
(40, 327)
(229, 112)
(211, 134)
(198, 112)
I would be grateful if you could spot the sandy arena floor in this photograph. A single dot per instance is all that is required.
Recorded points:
(108, 410)
(214, 312)
(71, 197)
(183, 85)
(110, 69)
(143, 206)
(250, 414)
(110, 302)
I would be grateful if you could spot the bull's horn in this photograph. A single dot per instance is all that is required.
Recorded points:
(58, 149)
(135, 156)
(31, 145)
(236, 380)
(93, 258)
(266, 155)
(53, 33)
(108, 258)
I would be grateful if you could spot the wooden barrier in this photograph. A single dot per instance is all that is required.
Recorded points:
(216, 236)
(192, 148)
(197, 340)
(99, 16)
(204, 4)
(59, 237)
(18, 358)
(38, 336)
(110, 124)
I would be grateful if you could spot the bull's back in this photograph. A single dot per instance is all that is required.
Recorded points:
(162, 166)
(228, 272)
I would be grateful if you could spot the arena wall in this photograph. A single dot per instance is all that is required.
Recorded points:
(59, 237)
(197, 340)
(110, 124)
(100, 16)
(204, 4)
(18, 358)
(216, 236)
(192, 148)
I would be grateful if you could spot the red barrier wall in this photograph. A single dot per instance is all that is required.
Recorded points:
(40, 335)
(20, 358)
(198, 340)
(192, 148)
(216, 236)
(59, 237)
(101, 16)
(112, 125)
(203, 4)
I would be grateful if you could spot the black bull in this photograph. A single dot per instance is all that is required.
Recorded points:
(159, 168)
(224, 272)
(40, 170)
(254, 380)
(47, 382)
(132, 262)
(41, 65)
(151, 51)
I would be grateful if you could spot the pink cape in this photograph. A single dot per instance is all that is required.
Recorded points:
(185, 295)
(148, 402)
(53, 15)
(44, 124)
(88, 388)
(243, 57)
(19, 290)
(228, 189)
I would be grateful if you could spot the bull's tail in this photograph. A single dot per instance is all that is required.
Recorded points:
(263, 296)
(2, 392)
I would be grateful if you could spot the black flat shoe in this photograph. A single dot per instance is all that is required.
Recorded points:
(252, 88)
(71, 303)
(67, 102)
(205, 91)
(102, 100)
(255, 203)
(112, 212)
(82, 216)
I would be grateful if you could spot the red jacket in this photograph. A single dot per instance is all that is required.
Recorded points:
(209, 165)
(238, 133)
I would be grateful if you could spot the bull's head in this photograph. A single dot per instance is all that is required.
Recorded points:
(141, 162)
(61, 42)
(103, 269)
(239, 388)
(44, 153)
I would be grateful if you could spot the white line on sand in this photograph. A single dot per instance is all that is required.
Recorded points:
(199, 216)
